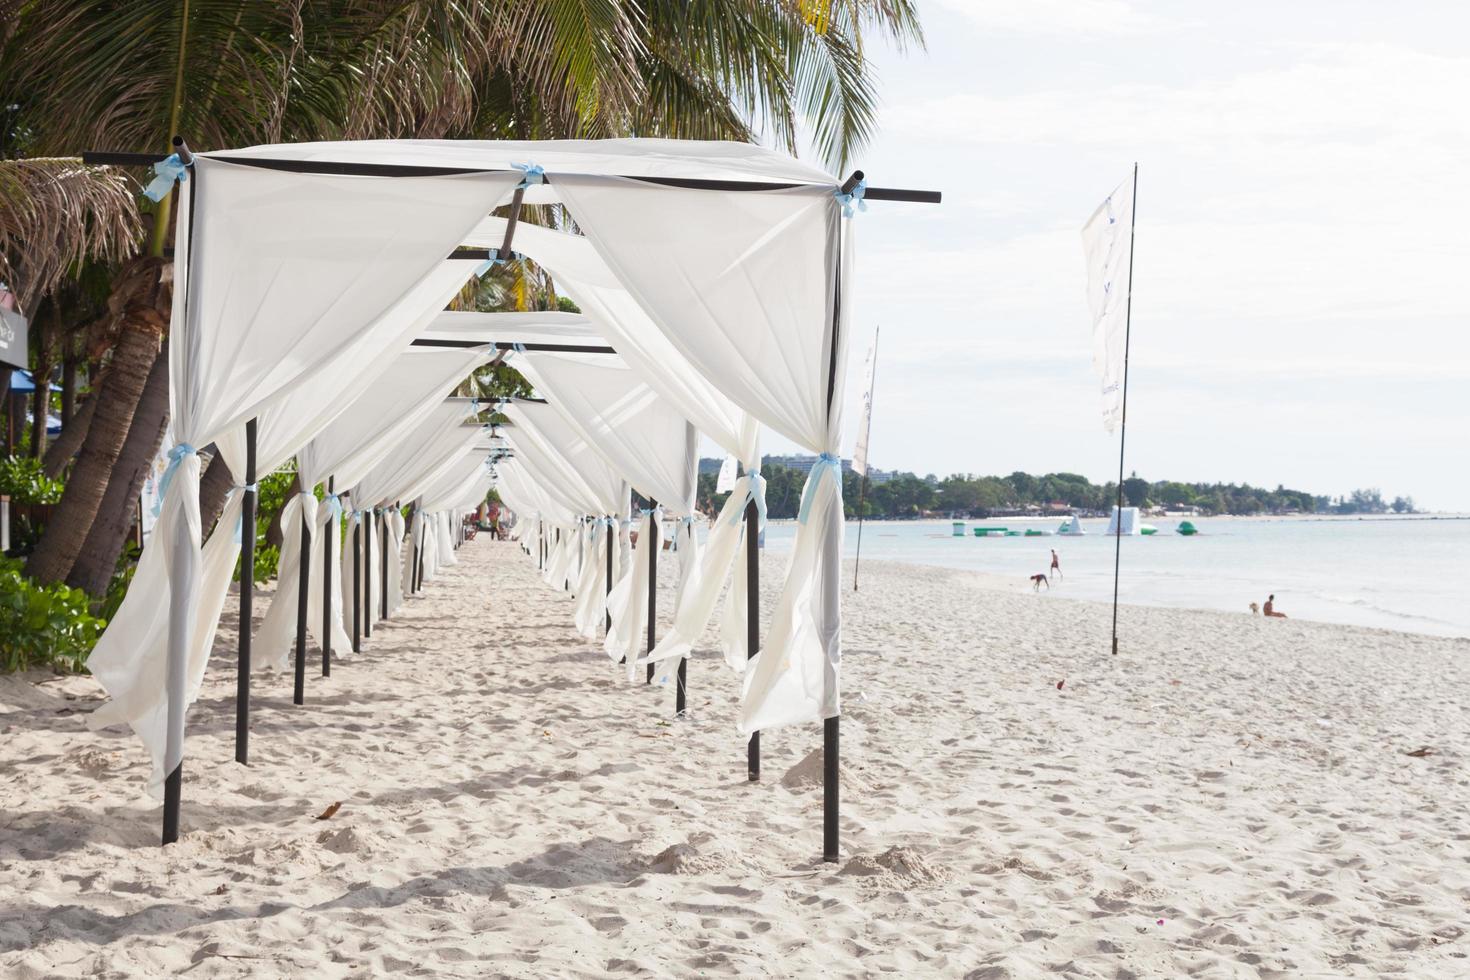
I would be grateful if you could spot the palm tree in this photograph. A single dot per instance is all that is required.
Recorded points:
(128, 74)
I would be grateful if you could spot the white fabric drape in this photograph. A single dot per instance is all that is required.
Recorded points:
(276, 639)
(592, 583)
(643, 438)
(747, 287)
(547, 434)
(395, 561)
(614, 313)
(279, 277)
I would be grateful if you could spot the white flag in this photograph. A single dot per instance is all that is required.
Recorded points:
(860, 451)
(725, 482)
(1107, 240)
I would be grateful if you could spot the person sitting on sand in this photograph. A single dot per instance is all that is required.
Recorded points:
(1270, 608)
(1037, 581)
(1056, 565)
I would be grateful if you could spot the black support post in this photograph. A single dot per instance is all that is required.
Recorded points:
(609, 542)
(752, 621)
(329, 530)
(367, 578)
(830, 728)
(383, 585)
(303, 591)
(247, 596)
(653, 543)
(357, 585)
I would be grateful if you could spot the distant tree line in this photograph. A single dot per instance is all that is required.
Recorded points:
(967, 495)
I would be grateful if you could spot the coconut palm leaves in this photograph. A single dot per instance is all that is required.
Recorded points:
(127, 74)
(56, 214)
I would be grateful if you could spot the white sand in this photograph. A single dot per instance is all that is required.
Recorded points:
(511, 808)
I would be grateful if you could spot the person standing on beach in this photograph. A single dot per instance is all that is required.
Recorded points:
(1056, 563)
(1270, 608)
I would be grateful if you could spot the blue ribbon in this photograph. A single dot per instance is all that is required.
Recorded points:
(250, 487)
(166, 172)
(175, 457)
(518, 348)
(533, 174)
(855, 198)
(825, 464)
(757, 492)
(334, 504)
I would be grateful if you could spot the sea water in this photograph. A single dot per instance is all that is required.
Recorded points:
(1409, 574)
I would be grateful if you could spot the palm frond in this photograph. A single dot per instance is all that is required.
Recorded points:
(56, 214)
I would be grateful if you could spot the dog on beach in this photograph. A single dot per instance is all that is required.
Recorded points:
(1255, 609)
(1037, 581)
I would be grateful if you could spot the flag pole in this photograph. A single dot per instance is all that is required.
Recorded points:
(1123, 428)
(863, 485)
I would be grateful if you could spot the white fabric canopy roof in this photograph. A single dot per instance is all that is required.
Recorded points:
(726, 303)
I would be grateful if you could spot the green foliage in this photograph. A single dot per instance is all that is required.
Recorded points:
(905, 495)
(274, 490)
(23, 481)
(43, 626)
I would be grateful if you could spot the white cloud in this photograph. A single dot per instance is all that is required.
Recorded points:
(1091, 17)
(1301, 249)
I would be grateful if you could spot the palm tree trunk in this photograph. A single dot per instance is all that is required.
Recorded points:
(68, 388)
(65, 446)
(97, 559)
(40, 409)
(214, 488)
(144, 301)
(275, 534)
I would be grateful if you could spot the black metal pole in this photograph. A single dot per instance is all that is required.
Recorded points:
(330, 531)
(653, 544)
(367, 578)
(752, 621)
(357, 584)
(608, 543)
(413, 549)
(383, 586)
(302, 593)
(1123, 428)
(247, 596)
(173, 783)
(419, 558)
(830, 728)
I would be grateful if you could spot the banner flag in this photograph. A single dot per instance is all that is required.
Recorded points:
(1107, 242)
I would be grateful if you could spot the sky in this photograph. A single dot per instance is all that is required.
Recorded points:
(1299, 309)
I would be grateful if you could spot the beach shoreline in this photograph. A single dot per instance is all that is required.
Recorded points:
(1227, 796)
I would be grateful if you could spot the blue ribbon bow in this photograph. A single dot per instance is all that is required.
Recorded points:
(334, 505)
(855, 198)
(757, 492)
(166, 172)
(825, 464)
(533, 174)
(175, 457)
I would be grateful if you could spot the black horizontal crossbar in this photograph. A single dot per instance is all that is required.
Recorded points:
(346, 169)
(510, 346)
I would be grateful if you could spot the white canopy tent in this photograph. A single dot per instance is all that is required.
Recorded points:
(736, 253)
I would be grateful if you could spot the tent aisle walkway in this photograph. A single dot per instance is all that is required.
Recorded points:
(511, 806)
